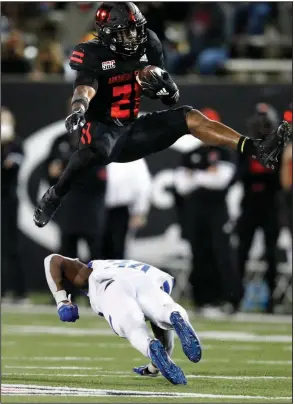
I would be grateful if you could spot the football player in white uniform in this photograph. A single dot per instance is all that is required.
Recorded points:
(127, 294)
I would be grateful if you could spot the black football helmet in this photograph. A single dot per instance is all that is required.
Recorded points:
(121, 27)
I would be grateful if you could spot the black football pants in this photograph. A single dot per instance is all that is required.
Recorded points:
(106, 143)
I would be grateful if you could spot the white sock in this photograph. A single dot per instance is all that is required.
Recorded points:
(139, 338)
(152, 368)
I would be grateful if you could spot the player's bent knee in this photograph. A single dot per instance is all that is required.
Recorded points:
(195, 119)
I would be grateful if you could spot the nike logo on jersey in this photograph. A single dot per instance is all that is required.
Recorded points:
(110, 64)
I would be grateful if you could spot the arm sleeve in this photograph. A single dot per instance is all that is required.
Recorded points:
(142, 198)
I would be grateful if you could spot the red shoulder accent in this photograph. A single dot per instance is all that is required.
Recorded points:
(81, 54)
(76, 60)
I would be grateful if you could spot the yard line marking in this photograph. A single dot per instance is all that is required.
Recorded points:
(8, 343)
(40, 329)
(241, 348)
(85, 311)
(269, 362)
(57, 358)
(21, 389)
(109, 344)
(124, 375)
(101, 359)
(55, 367)
(212, 334)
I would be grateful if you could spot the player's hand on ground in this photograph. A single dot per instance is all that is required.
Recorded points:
(68, 311)
(270, 148)
(75, 120)
(144, 371)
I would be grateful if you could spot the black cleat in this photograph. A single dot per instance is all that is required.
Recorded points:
(46, 208)
(270, 148)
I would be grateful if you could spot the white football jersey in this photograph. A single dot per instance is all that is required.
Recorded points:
(104, 270)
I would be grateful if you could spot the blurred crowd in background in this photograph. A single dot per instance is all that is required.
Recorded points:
(202, 38)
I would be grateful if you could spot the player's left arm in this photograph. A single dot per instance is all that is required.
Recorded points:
(85, 85)
(85, 88)
(54, 270)
(166, 89)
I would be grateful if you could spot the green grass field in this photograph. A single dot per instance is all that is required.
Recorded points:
(45, 360)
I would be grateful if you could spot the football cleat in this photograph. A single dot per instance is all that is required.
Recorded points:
(144, 371)
(46, 208)
(167, 367)
(270, 148)
(190, 342)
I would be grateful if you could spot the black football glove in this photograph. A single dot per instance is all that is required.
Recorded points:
(75, 120)
(161, 86)
(270, 147)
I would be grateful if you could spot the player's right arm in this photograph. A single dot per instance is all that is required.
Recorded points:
(165, 82)
(54, 270)
(85, 86)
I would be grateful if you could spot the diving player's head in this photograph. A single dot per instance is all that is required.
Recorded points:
(121, 27)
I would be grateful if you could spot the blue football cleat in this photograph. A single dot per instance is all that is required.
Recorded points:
(144, 371)
(167, 367)
(190, 342)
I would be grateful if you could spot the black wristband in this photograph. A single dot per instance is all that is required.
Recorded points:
(246, 146)
(83, 100)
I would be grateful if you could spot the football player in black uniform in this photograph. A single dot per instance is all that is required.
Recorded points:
(106, 103)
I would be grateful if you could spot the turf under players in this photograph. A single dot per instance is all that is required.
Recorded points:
(127, 294)
(106, 103)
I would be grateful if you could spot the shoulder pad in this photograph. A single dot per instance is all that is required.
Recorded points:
(85, 56)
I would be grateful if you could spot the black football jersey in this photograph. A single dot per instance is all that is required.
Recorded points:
(118, 94)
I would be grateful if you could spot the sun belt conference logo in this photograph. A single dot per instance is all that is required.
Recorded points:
(108, 65)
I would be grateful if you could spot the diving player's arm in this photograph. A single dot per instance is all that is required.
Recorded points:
(54, 265)
(54, 270)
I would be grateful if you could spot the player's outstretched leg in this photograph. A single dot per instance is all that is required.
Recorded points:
(46, 208)
(167, 367)
(52, 199)
(267, 149)
(190, 342)
(161, 309)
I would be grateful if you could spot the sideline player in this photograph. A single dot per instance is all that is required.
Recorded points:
(106, 103)
(126, 294)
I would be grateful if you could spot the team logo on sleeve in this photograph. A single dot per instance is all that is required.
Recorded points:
(108, 65)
